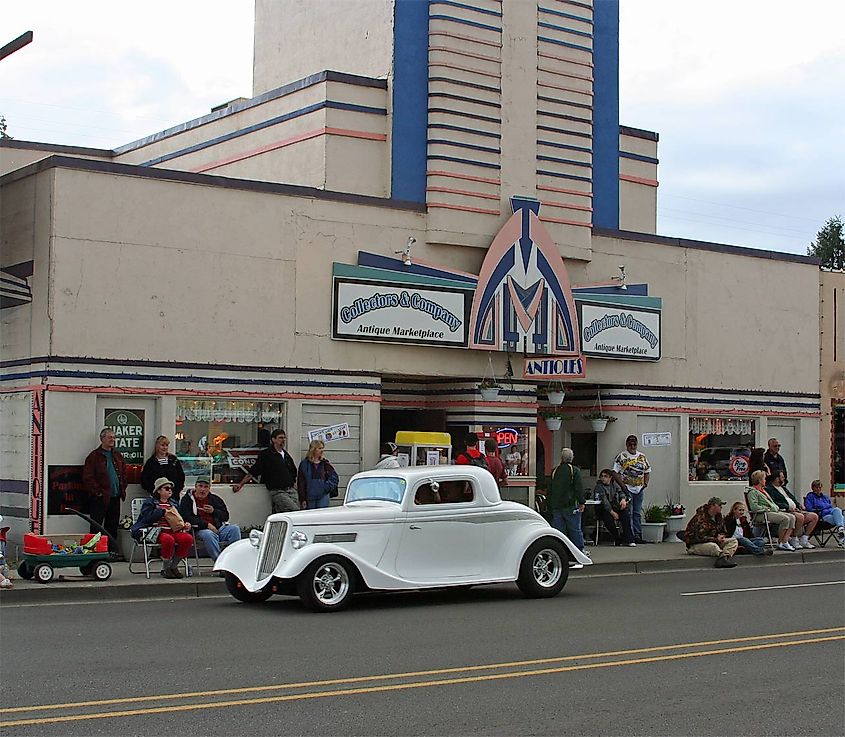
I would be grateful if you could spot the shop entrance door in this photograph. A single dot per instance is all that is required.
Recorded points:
(665, 460)
(785, 433)
(343, 449)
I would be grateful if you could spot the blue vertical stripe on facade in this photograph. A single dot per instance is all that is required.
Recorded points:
(410, 100)
(606, 114)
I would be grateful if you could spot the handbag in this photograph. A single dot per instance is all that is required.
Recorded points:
(174, 519)
(151, 535)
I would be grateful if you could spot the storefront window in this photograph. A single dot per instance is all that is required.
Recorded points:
(512, 445)
(220, 438)
(719, 448)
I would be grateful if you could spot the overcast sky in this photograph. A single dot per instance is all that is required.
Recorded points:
(747, 95)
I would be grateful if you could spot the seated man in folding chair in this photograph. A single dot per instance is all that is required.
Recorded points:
(615, 506)
(209, 517)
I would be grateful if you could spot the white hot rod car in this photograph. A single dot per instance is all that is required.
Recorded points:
(411, 528)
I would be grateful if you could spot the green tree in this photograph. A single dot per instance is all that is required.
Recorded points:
(3, 133)
(829, 245)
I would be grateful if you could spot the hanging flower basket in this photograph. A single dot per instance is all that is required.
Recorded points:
(489, 393)
(553, 423)
(556, 397)
(599, 425)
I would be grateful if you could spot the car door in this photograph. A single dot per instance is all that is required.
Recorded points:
(443, 535)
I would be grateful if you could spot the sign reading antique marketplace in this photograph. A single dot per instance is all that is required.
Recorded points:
(376, 311)
(128, 426)
(619, 332)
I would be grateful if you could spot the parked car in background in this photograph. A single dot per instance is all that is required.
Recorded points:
(411, 528)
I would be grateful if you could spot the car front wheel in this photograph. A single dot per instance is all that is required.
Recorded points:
(544, 569)
(327, 584)
(239, 591)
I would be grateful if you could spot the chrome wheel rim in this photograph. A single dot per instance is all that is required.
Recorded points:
(331, 583)
(547, 568)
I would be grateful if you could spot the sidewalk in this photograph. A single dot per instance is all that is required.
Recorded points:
(69, 586)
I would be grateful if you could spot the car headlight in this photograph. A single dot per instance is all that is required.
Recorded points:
(298, 539)
(255, 537)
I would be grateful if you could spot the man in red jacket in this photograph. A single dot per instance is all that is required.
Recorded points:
(494, 463)
(104, 478)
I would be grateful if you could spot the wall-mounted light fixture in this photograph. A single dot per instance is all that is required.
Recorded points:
(406, 253)
(621, 278)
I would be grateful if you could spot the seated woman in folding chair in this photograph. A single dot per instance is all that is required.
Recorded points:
(760, 504)
(819, 502)
(175, 544)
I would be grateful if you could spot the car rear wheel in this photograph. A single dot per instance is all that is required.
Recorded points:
(239, 591)
(327, 584)
(544, 569)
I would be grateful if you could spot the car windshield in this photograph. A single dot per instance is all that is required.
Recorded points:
(376, 489)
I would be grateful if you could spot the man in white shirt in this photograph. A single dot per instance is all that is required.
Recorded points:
(631, 470)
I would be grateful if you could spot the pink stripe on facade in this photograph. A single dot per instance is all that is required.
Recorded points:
(567, 59)
(316, 133)
(588, 224)
(492, 75)
(563, 190)
(468, 177)
(565, 89)
(469, 54)
(639, 180)
(566, 206)
(463, 192)
(462, 37)
(463, 208)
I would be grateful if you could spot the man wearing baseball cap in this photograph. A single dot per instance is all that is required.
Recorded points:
(706, 534)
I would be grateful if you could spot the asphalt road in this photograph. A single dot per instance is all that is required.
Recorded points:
(618, 655)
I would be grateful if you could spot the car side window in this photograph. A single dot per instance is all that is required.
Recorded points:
(448, 492)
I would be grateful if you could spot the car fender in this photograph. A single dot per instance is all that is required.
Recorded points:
(535, 532)
(292, 566)
(241, 559)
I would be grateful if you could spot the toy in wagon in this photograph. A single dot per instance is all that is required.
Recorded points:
(41, 556)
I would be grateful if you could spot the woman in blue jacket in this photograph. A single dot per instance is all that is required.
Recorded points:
(817, 501)
(316, 481)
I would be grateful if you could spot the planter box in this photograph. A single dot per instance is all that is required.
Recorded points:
(653, 531)
(674, 524)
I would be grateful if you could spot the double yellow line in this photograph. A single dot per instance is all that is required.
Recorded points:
(431, 678)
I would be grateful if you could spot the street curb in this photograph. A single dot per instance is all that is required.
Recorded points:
(199, 586)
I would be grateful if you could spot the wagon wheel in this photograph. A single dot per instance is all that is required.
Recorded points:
(44, 573)
(24, 571)
(86, 569)
(101, 570)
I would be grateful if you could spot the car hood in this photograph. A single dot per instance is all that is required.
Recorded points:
(345, 515)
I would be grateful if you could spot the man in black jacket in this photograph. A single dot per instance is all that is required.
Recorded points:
(209, 517)
(277, 470)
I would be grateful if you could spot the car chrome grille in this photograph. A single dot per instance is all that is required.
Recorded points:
(271, 548)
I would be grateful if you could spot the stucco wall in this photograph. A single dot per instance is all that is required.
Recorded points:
(294, 39)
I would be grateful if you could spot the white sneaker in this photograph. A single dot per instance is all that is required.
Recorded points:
(785, 546)
(793, 541)
(632, 545)
(586, 553)
(805, 542)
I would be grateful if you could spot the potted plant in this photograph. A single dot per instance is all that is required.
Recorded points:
(598, 420)
(555, 392)
(675, 515)
(553, 418)
(489, 389)
(654, 524)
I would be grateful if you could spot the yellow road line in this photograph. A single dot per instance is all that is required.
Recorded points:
(416, 684)
(412, 674)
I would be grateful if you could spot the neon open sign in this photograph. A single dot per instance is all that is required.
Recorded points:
(507, 436)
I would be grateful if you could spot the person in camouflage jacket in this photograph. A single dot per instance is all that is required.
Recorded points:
(706, 534)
